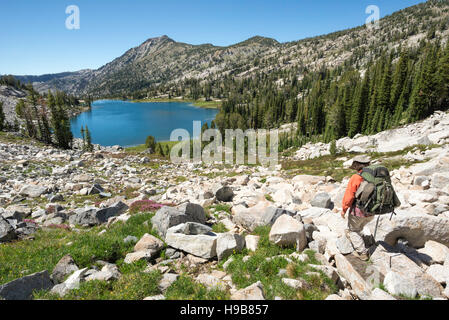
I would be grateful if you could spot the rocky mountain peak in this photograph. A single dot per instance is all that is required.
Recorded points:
(157, 40)
(269, 42)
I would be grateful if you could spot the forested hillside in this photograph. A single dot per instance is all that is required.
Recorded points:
(360, 80)
(161, 65)
(401, 86)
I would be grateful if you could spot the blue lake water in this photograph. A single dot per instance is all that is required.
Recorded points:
(124, 123)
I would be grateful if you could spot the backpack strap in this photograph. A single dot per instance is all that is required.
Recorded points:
(369, 170)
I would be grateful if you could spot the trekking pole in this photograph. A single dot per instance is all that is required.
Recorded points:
(392, 213)
(375, 229)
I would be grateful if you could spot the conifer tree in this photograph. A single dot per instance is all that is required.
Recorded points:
(89, 146)
(399, 78)
(60, 121)
(443, 79)
(360, 107)
(423, 97)
(83, 136)
(46, 130)
(2, 117)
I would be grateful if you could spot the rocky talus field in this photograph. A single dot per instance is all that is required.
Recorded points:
(117, 224)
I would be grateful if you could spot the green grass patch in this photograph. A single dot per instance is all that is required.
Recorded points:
(323, 166)
(258, 268)
(185, 288)
(222, 207)
(196, 103)
(8, 137)
(131, 286)
(25, 257)
(180, 179)
(219, 228)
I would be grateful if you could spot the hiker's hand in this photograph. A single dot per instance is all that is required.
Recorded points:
(343, 214)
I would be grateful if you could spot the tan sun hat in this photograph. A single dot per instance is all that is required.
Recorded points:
(361, 159)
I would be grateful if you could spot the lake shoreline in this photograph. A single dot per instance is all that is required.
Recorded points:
(196, 103)
(108, 119)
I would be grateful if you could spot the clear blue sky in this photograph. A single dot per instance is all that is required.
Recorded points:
(34, 39)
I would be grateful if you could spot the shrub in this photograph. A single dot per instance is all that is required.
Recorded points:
(150, 143)
(145, 206)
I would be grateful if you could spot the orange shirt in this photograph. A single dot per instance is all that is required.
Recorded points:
(353, 185)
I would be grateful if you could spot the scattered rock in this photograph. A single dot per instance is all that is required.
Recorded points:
(168, 217)
(73, 282)
(193, 238)
(397, 285)
(416, 228)
(288, 231)
(108, 272)
(296, 284)
(22, 288)
(252, 292)
(32, 191)
(229, 243)
(63, 268)
(386, 258)
(154, 298)
(436, 251)
(224, 194)
(17, 212)
(140, 255)
(7, 232)
(361, 287)
(211, 282)
(379, 294)
(167, 280)
(95, 189)
(252, 242)
(91, 216)
(322, 200)
(344, 245)
(428, 286)
(329, 271)
(149, 242)
(439, 273)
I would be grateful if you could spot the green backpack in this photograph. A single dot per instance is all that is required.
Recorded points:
(376, 195)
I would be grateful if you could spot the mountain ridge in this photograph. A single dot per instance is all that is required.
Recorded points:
(162, 60)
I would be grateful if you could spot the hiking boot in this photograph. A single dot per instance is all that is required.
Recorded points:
(347, 234)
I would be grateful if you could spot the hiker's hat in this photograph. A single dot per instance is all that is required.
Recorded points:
(360, 159)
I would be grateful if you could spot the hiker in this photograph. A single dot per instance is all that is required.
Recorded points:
(369, 193)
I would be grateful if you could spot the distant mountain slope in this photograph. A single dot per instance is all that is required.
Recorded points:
(45, 77)
(163, 61)
(9, 97)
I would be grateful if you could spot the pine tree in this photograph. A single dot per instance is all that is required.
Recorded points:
(23, 112)
(443, 79)
(423, 98)
(159, 150)
(373, 99)
(32, 98)
(166, 150)
(399, 78)
(89, 146)
(384, 98)
(60, 121)
(360, 106)
(83, 136)
(46, 130)
(333, 148)
(2, 117)
(150, 143)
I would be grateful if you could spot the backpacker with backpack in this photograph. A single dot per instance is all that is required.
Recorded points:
(376, 195)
